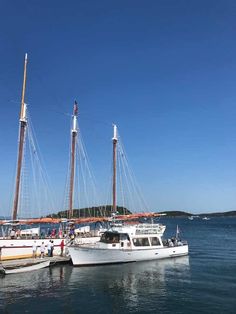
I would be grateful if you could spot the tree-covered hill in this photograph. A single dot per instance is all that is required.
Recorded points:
(101, 211)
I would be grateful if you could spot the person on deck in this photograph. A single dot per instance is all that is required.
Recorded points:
(49, 232)
(62, 245)
(170, 243)
(53, 234)
(42, 250)
(49, 247)
(72, 233)
(34, 249)
(52, 248)
(180, 243)
(60, 233)
(12, 234)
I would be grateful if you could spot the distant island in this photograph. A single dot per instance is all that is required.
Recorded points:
(97, 211)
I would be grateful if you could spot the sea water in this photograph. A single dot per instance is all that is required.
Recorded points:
(203, 282)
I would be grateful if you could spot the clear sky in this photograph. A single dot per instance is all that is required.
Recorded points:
(164, 71)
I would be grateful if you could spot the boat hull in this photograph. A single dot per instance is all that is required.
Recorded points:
(82, 256)
(22, 248)
(27, 268)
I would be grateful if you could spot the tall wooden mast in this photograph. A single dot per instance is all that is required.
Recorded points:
(72, 169)
(114, 140)
(23, 123)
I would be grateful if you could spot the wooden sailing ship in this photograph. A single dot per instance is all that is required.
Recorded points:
(20, 248)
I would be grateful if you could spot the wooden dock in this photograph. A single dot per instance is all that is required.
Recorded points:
(55, 260)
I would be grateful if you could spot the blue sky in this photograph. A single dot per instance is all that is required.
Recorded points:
(164, 71)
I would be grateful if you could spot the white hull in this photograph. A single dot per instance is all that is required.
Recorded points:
(22, 248)
(26, 268)
(95, 256)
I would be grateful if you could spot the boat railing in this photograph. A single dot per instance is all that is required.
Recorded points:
(150, 229)
(146, 226)
(174, 242)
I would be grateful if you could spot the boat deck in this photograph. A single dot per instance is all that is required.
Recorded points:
(55, 260)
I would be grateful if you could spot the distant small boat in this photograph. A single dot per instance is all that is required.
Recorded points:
(24, 268)
(205, 218)
(190, 217)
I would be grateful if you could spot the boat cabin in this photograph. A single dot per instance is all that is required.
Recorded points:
(124, 240)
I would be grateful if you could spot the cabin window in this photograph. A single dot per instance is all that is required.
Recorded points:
(155, 241)
(141, 242)
(110, 238)
(124, 236)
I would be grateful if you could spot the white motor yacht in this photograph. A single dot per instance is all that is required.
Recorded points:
(122, 244)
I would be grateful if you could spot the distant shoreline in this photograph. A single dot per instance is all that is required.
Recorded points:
(186, 214)
(176, 213)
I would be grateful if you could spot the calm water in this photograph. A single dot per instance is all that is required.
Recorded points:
(204, 282)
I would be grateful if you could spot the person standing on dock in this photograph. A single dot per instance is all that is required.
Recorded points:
(34, 249)
(52, 248)
(49, 247)
(42, 250)
(62, 245)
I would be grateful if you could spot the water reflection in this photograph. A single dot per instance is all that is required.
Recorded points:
(132, 285)
(41, 283)
(120, 285)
